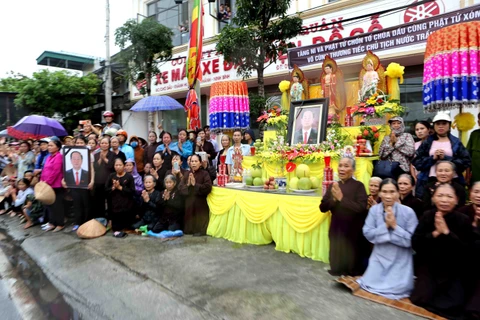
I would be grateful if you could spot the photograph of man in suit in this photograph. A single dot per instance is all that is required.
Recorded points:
(307, 134)
(76, 177)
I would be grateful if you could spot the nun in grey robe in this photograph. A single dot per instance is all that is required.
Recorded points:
(390, 267)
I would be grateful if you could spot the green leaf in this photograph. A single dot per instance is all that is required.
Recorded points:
(261, 33)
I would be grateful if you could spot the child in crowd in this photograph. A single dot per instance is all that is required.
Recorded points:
(33, 211)
(121, 188)
(150, 198)
(172, 207)
(19, 199)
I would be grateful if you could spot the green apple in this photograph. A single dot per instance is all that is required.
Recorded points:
(304, 184)
(293, 183)
(303, 171)
(258, 181)
(315, 182)
(249, 181)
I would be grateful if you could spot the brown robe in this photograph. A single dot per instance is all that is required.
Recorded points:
(349, 250)
(473, 296)
(196, 207)
(440, 264)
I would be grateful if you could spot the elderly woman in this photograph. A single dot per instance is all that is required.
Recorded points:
(195, 187)
(398, 146)
(103, 167)
(440, 146)
(445, 172)
(406, 184)
(52, 174)
(441, 243)
(389, 226)
(347, 201)
(374, 188)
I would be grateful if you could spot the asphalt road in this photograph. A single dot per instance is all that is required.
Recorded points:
(8, 310)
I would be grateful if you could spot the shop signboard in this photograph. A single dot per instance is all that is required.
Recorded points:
(410, 34)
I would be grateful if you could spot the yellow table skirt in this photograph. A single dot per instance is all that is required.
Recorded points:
(260, 218)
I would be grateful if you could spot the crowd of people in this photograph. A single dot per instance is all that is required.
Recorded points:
(160, 183)
(414, 235)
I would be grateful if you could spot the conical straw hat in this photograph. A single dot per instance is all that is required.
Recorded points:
(44, 193)
(91, 229)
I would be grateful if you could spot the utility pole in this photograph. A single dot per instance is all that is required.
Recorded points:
(108, 69)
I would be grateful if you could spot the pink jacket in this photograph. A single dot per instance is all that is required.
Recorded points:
(52, 172)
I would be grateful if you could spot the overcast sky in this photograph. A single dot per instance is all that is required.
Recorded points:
(29, 27)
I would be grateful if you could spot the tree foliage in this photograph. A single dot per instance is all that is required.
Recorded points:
(10, 83)
(259, 34)
(144, 47)
(61, 92)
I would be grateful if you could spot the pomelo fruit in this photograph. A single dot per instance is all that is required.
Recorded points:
(315, 182)
(257, 173)
(258, 181)
(293, 183)
(303, 171)
(304, 184)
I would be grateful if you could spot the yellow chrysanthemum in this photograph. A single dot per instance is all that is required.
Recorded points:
(284, 85)
(394, 70)
(464, 121)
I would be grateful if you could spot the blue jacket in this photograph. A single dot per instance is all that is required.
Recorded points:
(41, 158)
(424, 161)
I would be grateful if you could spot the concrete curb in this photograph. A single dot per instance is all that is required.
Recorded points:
(24, 301)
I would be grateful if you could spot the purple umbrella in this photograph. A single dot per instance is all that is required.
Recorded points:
(36, 127)
(156, 103)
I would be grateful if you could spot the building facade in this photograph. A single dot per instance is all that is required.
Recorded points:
(324, 22)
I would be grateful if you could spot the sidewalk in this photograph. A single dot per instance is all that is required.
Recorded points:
(189, 278)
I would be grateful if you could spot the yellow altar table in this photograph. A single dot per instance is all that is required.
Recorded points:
(261, 217)
(245, 216)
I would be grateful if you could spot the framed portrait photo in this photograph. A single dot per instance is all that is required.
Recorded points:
(76, 167)
(307, 123)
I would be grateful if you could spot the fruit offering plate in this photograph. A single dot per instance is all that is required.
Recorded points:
(303, 191)
(235, 185)
(255, 187)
